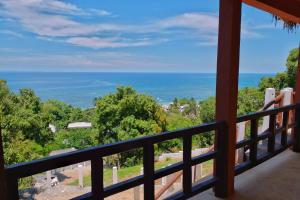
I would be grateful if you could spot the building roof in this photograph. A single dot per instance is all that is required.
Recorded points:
(80, 125)
(61, 151)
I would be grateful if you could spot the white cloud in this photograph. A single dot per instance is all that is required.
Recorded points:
(98, 43)
(96, 61)
(202, 22)
(11, 33)
(100, 12)
(52, 19)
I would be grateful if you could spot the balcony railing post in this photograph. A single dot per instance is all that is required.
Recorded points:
(97, 178)
(296, 134)
(285, 128)
(2, 170)
(148, 153)
(271, 138)
(253, 137)
(12, 188)
(220, 165)
(187, 171)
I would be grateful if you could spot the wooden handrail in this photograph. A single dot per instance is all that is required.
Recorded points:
(274, 101)
(168, 185)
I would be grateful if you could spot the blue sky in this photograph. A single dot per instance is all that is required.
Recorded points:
(132, 35)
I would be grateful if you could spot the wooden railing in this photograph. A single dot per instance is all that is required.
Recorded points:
(272, 147)
(96, 154)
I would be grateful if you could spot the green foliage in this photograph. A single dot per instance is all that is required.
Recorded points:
(77, 138)
(21, 116)
(207, 109)
(61, 114)
(278, 82)
(283, 79)
(127, 114)
(292, 65)
(249, 100)
(20, 150)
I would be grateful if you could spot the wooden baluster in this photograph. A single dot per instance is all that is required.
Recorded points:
(97, 178)
(285, 126)
(2, 171)
(12, 188)
(187, 171)
(220, 164)
(271, 138)
(296, 134)
(253, 137)
(148, 153)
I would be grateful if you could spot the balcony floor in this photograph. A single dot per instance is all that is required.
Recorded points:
(275, 179)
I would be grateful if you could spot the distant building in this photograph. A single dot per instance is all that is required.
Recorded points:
(75, 125)
(61, 151)
(183, 107)
(52, 128)
(166, 107)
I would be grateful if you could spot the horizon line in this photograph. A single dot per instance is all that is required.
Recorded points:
(136, 72)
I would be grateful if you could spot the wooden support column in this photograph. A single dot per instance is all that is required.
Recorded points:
(2, 171)
(226, 91)
(296, 133)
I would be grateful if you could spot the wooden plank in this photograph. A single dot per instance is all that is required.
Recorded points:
(286, 9)
(12, 188)
(148, 153)
(296, 132)
(187, 164)
(253, 137)
(2, 170)
(227, 88)
(285, 120)
(97, 178)
(271, 138)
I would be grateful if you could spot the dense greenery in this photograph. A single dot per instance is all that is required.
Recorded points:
(124, 115)
(127, 114)
(283, 79)
(249, 100)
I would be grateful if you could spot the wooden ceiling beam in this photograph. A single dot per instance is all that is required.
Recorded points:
(286, 9)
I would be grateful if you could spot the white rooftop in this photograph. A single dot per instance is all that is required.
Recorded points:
(80, 125)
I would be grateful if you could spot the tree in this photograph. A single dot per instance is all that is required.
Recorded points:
(249, 100)
(21, 116)
(278, 82)
(292, 65)
(57, 113)
(115, 110)
(207, 110)
(283, 79)
(127, 114)
(77, 138)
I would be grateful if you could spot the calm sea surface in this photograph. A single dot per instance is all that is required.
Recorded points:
(79, 89)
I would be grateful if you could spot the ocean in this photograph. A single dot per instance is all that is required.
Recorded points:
(80, 89)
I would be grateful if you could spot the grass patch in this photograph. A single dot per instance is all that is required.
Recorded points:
(129, 172)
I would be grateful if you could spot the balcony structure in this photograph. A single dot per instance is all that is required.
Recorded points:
(274, 179)
(225, 169)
